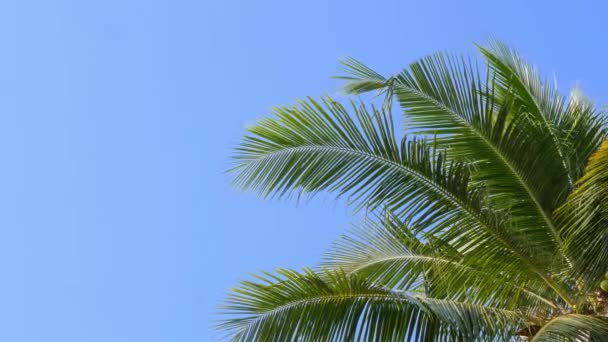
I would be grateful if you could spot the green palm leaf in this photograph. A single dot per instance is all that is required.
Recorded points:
(338, 307)
(388, 253)
(485, 222)
(573, 128)
(573, 328)
(311, 147)
(448, 97)
(584, 221)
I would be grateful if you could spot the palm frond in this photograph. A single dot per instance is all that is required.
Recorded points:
(487, 220)
(573, 327)
(449, 97)
(314, 147)
(572, 128)
(584, 221)
(360, 78)
(389, 253)
(534, 97)
(337, 307)
(582, 129)
(311, 147)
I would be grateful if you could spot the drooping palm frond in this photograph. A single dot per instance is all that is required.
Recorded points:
(584, 221)
(573, 328)
(314, 147)
(339, 307)
(388, 253)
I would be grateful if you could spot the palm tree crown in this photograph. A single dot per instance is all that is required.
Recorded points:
(487, 220)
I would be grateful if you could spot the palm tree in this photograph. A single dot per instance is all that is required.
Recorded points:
(487, 220)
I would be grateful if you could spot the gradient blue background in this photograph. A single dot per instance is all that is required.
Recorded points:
(117, 119)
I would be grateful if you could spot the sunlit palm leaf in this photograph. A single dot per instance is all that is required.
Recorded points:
(573, 328)
(388, 253)
(534, 97)
(584, 221)
(448, 97)
(338, 307)
(311, 147)
(461, 242)
(573, 127)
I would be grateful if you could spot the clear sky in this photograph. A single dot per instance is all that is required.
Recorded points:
(117, 119)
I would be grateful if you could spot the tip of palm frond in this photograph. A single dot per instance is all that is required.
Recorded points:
(494, 43)
(601, 152)
(359, 78)
(355, 68)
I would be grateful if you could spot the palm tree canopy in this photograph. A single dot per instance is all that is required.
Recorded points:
(487, 217)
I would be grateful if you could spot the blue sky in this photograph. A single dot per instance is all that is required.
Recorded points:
(117, 119)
